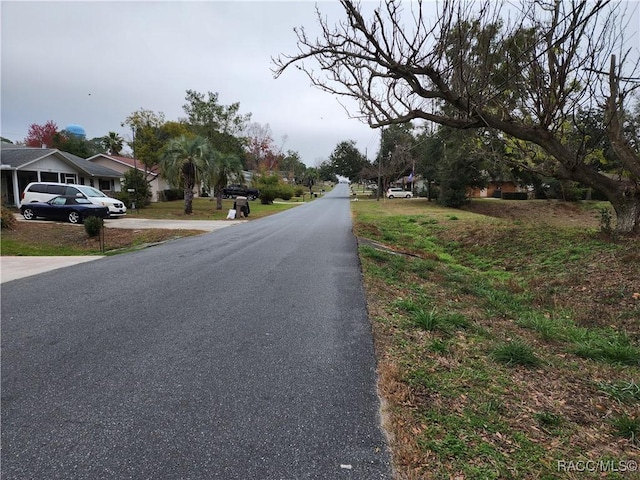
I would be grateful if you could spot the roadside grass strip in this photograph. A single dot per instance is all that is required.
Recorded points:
(487, 371)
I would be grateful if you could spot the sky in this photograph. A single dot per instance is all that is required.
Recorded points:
(94, 63)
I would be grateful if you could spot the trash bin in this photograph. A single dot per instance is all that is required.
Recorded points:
(242, 207)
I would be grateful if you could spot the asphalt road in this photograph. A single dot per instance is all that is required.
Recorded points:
(241, 354)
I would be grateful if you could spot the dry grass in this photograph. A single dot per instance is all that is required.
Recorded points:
(52, 238)
(453, 411)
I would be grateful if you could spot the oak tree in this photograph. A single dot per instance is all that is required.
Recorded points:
(523, 71)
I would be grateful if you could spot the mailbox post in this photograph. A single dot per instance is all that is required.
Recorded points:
(133, 202)
(242, 207)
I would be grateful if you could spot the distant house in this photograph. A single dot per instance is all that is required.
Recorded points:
(124, 164)
(495, 189)
(20, 165)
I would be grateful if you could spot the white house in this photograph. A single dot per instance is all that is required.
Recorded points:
(20, 165)
(124, 164)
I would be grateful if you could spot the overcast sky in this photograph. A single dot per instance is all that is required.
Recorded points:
(94, 63)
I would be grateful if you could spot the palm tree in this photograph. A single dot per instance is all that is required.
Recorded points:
(188, 162)
(227, 166)
(112, 143)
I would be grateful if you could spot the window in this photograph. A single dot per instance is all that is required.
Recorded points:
(55, 189)
(104, 185)
(38, 188)
(49, 176)
(59, 201)
(72, 191)
(69, 178)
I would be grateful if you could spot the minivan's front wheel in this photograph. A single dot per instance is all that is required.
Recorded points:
(28, 214)
(74, 217)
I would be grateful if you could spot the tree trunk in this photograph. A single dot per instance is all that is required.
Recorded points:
(627, 207)
(219, 199)
(188, 199)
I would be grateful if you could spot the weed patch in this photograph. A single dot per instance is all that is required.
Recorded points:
(506, 340)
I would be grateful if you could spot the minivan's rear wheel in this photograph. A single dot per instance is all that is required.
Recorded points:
(74, 217)
(28, 214)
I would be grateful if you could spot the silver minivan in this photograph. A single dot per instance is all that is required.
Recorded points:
(45, 191)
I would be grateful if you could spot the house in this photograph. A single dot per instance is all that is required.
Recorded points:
(20, 165)
(124, 164)
(495, 188)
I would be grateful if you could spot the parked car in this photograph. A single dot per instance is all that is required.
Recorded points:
(233, 191)
(45, 191)
(70, 208)
(399, 193)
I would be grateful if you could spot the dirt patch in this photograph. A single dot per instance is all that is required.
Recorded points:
(550, 212)
(43, 238)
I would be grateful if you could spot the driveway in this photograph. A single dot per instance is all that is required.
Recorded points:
(12, 268)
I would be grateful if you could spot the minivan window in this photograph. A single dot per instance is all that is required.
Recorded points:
(73, 191)
(56, 189)
(38, 188)
(91, 192)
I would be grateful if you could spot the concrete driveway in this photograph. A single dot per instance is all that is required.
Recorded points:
(12, 268)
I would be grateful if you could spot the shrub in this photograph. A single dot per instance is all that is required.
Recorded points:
(268, 193)
(285, 192)
(299, 191)
(8, 219)
(93, 225)
(172, 194)
(515, 195)
(141, 195)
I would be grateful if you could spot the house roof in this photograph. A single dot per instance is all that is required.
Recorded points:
(17, 157)
(129, 162)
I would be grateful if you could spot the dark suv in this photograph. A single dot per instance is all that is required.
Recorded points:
(233, 191)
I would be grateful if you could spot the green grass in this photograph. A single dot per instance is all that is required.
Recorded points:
(627, 427)
(12, 247)
(481, 323)
(516, 352)
(622, 391)
(205, 209)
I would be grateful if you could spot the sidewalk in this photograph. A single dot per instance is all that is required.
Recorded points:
(12, 268)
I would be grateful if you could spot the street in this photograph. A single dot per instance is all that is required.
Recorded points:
(245, 353)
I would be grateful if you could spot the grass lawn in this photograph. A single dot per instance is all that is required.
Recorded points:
(205, 209)
(52, 238)
(508, 341)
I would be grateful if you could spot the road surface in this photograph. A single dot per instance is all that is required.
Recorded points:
(241, 354)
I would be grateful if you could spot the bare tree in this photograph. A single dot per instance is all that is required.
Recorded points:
(522, 71)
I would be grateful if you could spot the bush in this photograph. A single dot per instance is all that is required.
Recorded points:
(299, 191)
(285, 192)
(268, 193)
(8, 219)
(172, 194)
(141, 195)
(515, 196)
(93, 225)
